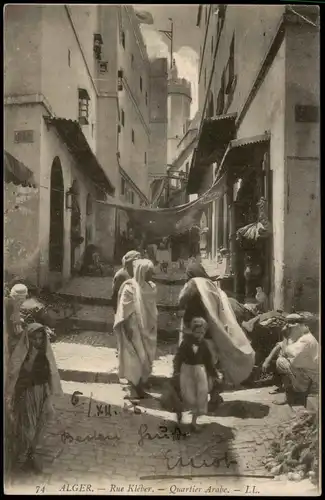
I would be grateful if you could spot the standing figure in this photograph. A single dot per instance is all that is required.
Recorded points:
(123, 274)
(195, 238)
(135, 327)
(33, 377)
(11, 335)
(230, 348)
(195, 370)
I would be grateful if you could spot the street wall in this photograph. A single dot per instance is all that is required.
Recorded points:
(271, 117)
(302, 148)
(132, 101)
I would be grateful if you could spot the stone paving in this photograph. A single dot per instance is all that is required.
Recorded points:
(103, 441)
(100, 441)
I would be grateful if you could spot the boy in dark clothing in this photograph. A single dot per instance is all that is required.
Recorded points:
(194, 371)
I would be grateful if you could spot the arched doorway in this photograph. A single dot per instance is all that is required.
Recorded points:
(56, 243)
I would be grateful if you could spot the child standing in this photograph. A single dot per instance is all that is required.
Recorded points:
(194, 371)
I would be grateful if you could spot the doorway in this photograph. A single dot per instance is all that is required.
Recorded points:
(56, 243)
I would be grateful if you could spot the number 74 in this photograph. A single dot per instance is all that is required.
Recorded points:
(40, 489)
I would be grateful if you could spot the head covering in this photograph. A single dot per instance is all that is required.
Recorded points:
(33, 328)
(19, 355)
(141, 267)
(19, 290)
(131, 256)
(195, 270)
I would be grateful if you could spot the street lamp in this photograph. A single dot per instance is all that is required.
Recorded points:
(68, 199)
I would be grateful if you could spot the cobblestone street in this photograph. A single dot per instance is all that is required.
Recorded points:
(99, 439)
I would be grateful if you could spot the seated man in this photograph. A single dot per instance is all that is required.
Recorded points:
(297, 361)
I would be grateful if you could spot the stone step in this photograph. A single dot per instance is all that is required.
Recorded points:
(89, 364)
(101, 318)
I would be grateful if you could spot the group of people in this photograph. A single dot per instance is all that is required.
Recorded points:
(213, 351)
(213, 347)
(31, 377)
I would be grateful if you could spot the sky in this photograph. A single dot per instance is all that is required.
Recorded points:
(186, 40)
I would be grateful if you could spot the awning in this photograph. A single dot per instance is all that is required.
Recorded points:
(73, 136)
(16, 172)
(215, 135)
(242, 153)
(173, 220)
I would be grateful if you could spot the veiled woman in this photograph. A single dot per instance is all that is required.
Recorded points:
(136, 327)
(33, 377)
(230, 348)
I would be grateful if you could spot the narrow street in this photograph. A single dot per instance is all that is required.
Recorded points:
(99, 439)
(161, 179)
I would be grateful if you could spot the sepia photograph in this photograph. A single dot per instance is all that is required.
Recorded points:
(162, 237)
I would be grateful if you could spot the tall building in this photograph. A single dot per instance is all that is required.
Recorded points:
(78, 87)
(179, 102)
(259, 140)
(158, 116)
(52, 75)
(179, 169)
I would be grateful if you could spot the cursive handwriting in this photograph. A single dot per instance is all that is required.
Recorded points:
(66, 437)
(101, 410)
(198, 462)
(163, 433)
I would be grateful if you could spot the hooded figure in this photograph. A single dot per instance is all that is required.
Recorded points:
(136, 327)
(32, 378)
(123, 274)
(229, 345)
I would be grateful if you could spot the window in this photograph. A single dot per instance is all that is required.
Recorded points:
(83, 106)
(123, 39)
(122, 117)
(145, 158)
(133, 136)
(221, 95)
(120, 80)
(98, 43)
(132, 197)
(69, 58)
(231, 67)
(211, 106)
(146, 98)
(132, 60)
(141, 83)
(122, 186)
(187, 168)
(205, 77)
(211, 45)
(92, 129)
(103, 66)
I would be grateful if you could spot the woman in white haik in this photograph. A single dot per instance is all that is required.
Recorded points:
(136, 327)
